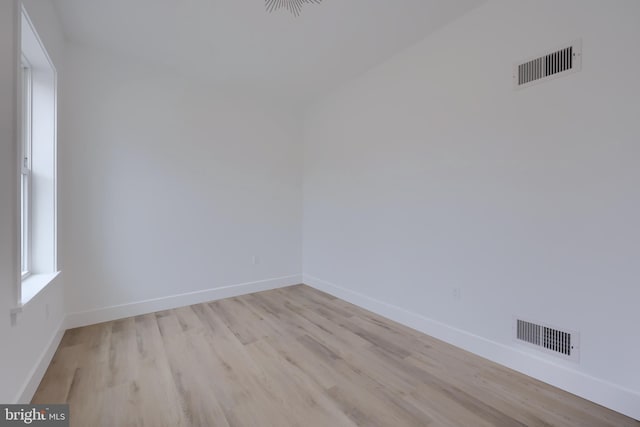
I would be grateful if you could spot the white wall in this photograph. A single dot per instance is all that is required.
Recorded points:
(170, 187)
(430, 173)
(27, 345)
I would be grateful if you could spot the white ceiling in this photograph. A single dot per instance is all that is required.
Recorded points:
(236, 42)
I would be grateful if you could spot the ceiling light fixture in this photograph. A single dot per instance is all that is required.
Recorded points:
(293, 6)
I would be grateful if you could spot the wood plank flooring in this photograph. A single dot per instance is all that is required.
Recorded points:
(291, 357)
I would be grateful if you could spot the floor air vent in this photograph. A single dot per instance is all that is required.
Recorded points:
(551, 65)
(551, 340)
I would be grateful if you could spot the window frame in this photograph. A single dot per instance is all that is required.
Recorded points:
(37, 177)
(25, 170)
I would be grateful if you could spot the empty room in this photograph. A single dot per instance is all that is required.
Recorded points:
(320, 213)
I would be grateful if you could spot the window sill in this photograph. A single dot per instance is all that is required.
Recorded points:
(34, 284)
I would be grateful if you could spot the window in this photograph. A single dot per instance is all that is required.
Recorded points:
(25, 167)
(37, 165)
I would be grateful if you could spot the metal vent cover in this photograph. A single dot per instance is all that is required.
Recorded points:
(556, 63)
(552, 340)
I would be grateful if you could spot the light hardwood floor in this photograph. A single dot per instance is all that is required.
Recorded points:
(291, 357)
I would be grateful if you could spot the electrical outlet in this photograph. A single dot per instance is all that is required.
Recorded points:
(255, 260)
(457, 294)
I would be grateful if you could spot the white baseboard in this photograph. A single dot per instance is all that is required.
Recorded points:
(37, 372)
(90, 317)
(613, 396)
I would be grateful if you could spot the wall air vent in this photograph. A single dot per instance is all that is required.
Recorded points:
(552, 340)
(554, 64)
